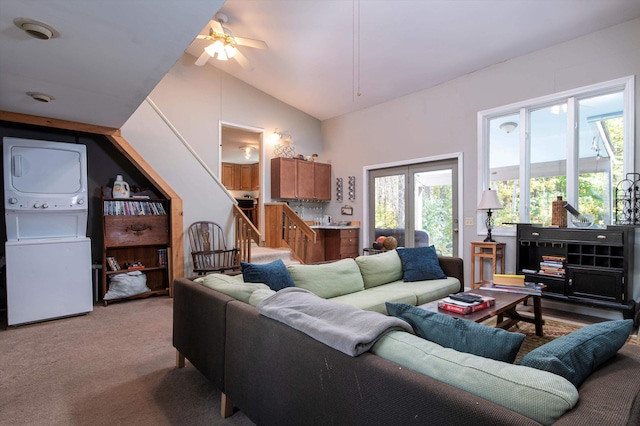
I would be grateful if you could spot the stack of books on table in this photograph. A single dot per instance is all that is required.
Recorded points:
(464, 308)
(552, 266)
(513, 284)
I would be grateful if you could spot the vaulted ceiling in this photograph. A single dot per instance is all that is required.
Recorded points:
(111, 54)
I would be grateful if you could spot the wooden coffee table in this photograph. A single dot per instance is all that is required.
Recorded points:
(504, 310)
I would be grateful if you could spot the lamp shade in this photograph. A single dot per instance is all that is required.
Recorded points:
(490, 200)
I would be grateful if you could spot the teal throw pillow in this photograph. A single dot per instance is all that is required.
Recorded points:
(420, 264)
(578, 354)
(460, 334)
(274, 274)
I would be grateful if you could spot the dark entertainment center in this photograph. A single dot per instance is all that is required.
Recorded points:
(598, 264)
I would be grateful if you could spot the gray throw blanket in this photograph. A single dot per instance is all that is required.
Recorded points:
(343, 327)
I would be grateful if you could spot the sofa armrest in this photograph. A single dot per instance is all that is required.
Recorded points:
(453, 267)
(199, 327)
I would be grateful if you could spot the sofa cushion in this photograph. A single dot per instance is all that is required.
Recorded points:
(274, 274)
(375, 299)
(380, 269)
(420, 263)
(425, 291)
(578, 354)
(329, 279)
(259, 295)
(460, 334)
(231, 285)
(539, 395)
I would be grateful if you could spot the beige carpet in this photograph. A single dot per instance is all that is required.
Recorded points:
(114, 366)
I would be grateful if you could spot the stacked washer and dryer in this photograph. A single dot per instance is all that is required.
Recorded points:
(48, 255)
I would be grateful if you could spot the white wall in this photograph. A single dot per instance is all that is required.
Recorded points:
(195, 100)
(443, 119)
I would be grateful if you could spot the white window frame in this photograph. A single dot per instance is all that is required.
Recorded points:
(571, 97)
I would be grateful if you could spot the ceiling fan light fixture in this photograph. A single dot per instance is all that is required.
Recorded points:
(248, 150)
(230, 50)
(36, 29)
(508, 126)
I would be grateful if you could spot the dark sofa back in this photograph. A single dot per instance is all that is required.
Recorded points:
(277, 375)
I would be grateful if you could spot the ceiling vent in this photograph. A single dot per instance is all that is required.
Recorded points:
(36, 29)
(41, 97)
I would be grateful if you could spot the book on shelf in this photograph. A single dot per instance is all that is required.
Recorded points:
(463, 308)
(528, 288)
(112, 263)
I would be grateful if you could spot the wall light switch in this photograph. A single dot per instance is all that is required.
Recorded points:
(468, 221)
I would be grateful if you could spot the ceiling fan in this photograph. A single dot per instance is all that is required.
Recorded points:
(224, 44)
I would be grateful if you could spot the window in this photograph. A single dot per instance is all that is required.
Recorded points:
(576, 144)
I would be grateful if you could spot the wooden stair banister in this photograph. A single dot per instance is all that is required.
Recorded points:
(245, 233)
(284, 228)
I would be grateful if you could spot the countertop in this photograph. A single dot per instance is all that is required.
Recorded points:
(334, 227)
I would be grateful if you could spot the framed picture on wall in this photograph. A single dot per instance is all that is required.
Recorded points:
(347, 211)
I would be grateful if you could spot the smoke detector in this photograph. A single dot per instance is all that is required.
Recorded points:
(41, 97)
(36, 29)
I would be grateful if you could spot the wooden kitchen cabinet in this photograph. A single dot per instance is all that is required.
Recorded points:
(230, 176)
(341, 243)
(241, 177)
(296, 179)
(245, 177)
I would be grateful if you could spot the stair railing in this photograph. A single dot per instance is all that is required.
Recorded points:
(246, 232)
(284, 228)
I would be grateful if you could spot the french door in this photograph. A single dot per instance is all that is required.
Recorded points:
(417, 204)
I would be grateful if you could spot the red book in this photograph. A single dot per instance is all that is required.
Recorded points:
(464, 309)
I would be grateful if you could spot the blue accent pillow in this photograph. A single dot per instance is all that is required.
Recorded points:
(578, 354)
(274, 274)
(460, 334)
(420, 263)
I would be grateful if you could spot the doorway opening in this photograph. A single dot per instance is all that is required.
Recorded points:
(241, 170)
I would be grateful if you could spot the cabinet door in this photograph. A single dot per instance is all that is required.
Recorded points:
(306, 180)
(227, 176)
(245, 177)
(255, 177)
(589, 283)
(283, 178)
(322, 184)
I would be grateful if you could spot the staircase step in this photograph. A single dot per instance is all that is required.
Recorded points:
(268, 255)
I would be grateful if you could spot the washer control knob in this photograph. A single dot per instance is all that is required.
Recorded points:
(45, 206)
(81, 201)
(36, 205)
(13, 200)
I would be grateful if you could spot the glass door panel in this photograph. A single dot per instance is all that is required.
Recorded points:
(389, 204)
(433, 204)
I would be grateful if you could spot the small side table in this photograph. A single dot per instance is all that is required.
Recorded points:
(482, 251)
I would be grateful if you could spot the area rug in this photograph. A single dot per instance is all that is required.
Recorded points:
(552, 330)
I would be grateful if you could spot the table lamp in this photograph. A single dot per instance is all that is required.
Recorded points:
(489, 202)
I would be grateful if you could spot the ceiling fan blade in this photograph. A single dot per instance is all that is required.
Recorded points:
(216, 26)
(249, 42)
(242, 60)
(203, 59)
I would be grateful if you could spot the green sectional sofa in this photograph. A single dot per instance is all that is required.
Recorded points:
(278, 375)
